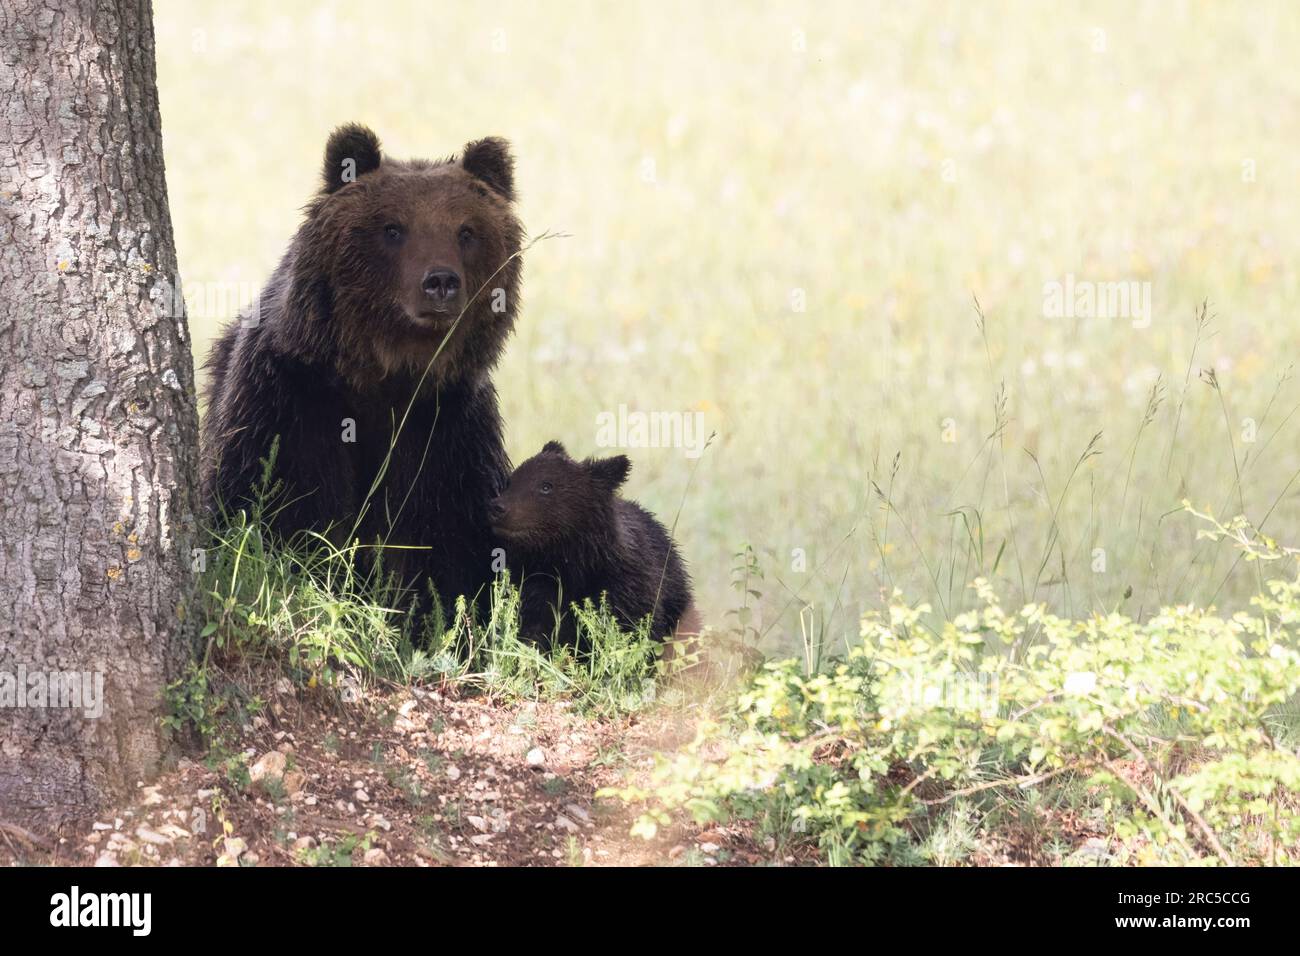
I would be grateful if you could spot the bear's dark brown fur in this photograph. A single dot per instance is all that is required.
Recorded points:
(568, 537)
(399, 268)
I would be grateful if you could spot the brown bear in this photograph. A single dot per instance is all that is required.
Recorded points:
(569, 537)
(367, 361)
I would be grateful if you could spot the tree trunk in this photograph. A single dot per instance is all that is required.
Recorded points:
(97, 412)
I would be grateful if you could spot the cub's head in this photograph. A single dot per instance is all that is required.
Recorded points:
(552, 500)
(413, 258)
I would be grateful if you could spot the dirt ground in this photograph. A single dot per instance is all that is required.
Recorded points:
(410, 777)
(425, 777)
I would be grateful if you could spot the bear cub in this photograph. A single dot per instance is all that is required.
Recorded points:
(568, 536)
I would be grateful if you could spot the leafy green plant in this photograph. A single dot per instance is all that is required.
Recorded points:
(746, 581)
(1163, 722)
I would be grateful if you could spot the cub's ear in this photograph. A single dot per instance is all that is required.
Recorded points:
(609, 473)
(556, 447)
(352, 151)
(490, 160)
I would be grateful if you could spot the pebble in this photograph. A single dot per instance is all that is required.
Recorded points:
(269, 766)
(149, 835)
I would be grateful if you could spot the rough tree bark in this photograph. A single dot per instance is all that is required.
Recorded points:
(97, 413)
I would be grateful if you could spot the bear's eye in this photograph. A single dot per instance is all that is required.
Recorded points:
(466, 235)
(393, 233)
(544, 487)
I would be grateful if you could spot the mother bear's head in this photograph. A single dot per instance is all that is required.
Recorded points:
(404, 263)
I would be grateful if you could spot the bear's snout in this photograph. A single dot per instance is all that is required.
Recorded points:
(441, 286)
(496, 511)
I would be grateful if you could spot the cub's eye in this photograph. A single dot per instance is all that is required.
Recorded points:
(393, 233)
(465, 236)
(544, 487)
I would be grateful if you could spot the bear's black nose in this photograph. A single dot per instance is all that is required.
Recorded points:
(496, 510)
(441, 285)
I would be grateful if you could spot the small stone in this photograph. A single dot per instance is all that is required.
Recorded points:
(149, 835)
(270, 766)
(573, 810)
(536, 757)
(361, 796)
(453, 772)
(564, 823)
(375, 856)
(709, 848)
(107, 858)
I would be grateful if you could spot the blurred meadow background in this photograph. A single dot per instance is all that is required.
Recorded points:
(781, 216)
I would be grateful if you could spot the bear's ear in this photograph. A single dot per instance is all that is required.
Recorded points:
(556, 448)
(352, 151)
(490, 160)
(609, 473)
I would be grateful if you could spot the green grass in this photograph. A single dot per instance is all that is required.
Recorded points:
(327, 615)
(894, 162)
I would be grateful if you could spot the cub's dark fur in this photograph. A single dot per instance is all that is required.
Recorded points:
(398, 267)
(568, 537)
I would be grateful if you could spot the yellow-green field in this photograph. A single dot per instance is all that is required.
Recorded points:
(780, 215)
